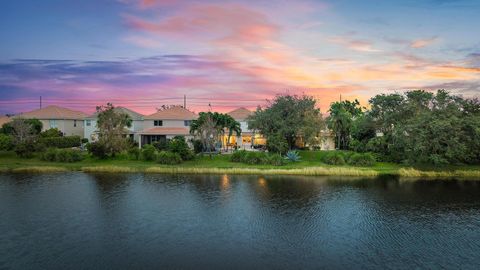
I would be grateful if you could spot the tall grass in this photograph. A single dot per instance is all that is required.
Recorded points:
(314, 171)
(411, 172)
(109, 169)
(39, 169)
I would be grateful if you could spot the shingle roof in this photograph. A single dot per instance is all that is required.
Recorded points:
(240, 113)
(173, 113)
(166, 131)
(4, 120)
(53, 112)
(133, 115)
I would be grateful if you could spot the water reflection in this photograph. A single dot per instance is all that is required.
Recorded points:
(124, 221)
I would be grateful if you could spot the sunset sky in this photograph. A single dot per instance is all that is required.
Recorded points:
(143, 54)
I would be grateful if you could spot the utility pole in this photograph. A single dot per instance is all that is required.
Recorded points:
(40, 102)
(184, 101)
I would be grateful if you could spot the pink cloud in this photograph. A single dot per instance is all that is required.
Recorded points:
(354, 44)
(420, 43)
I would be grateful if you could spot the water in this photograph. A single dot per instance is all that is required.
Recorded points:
(135, 221)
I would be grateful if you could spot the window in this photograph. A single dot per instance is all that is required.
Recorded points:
(88, 123)
(74, 123)
(158, 123)
(187, 123)
(53, 123)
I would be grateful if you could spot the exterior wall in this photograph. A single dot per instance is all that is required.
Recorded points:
(166, 123)
(89, 133)
(65, 126)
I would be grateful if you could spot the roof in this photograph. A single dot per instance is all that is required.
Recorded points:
(173, 113)
(4, 120)
(240, 113)
(133, 115)
(53, 112)
(166, 131)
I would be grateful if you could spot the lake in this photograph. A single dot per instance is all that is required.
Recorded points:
(134, 221)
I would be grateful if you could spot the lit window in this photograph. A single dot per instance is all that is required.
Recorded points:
(158, 123)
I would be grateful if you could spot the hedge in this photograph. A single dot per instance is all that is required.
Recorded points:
(62, 142)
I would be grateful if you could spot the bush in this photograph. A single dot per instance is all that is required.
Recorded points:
(149, 152)
(84, 140)
(169, 158)
(254, 158)
(161, 145)
(62, 155)
(274, 159)
(334, 158)
(179, 145)
(134, 153)
(366, 159)
(97, 149)
(277, 144)
(62, 142)
(24, 150)
(197, 146)
(53, 132)
(238, 156)
(6, 142)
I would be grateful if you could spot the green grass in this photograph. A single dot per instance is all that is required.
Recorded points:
(310, 164)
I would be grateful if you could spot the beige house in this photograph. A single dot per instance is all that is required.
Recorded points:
(4, 120)
(69, 122)
(91, 131)
(166, 124)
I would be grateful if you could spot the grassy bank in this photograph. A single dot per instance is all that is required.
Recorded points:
(309, 165)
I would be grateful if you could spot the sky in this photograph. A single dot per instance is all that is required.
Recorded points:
(224, 54)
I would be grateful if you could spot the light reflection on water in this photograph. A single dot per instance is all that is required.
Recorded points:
(79, 221)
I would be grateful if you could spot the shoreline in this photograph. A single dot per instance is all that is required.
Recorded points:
(305, 171)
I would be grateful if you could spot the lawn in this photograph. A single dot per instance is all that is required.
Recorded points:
(310, 164)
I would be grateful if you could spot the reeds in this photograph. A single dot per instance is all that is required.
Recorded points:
(39, 169)
(109, 169)
(411, 172)
(314, 171)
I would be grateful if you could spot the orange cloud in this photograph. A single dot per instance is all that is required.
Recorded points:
(354, 44)
(420, 43)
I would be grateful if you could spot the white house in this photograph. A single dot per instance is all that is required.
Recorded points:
(166, 124)
(248, 136)
(91, 124)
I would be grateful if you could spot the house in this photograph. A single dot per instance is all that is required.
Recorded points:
(166, 124)
(69, 122)
(4, 120)
(248, 136)
(137, 124)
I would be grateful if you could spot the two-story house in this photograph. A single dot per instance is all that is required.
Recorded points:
(91, 130)
(166, 124)
(69, 122)
(248, 136)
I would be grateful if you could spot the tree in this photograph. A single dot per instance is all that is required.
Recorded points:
(112, 132)
(233, 126)
(342, 115)
(289, 117)
(210, 126)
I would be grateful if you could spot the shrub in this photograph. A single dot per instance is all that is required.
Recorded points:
(366, 159)
(61, 142)
(274, 159)
(277, 144)
(169, 158)
(53, 132)
(334, 158)
(161, 145)
(293, 156)
(62, 155)
(25, 149)
(179, 145)
(149, 152)
(197, 146)
(238, 156)
(254, 158)
(6, 142)
(84, 140)
(134, 153)
(97, 149)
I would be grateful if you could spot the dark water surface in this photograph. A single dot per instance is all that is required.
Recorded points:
(136, 221)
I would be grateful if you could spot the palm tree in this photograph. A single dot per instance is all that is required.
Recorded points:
(233, 126)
